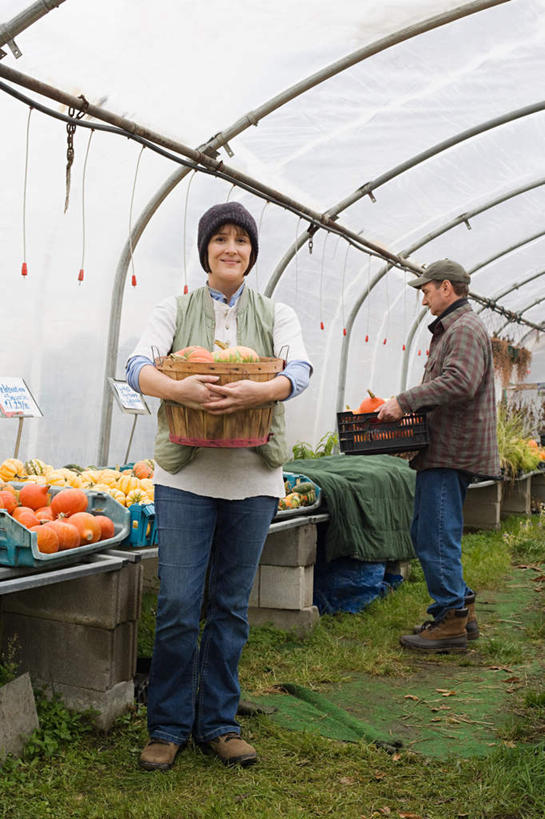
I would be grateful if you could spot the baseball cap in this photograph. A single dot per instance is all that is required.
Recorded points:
(440, 271)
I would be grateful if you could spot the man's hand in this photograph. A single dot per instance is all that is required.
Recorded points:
(390, 411)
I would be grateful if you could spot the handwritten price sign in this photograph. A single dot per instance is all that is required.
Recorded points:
(128, 400)
(16, 400)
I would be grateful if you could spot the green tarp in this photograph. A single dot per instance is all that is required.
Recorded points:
(369, 500)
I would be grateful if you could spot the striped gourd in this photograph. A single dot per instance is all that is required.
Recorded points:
(35, 467)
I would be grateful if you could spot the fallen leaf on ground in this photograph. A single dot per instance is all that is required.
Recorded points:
(500, 668)
(510, 744)
(410, 697)
(539, 579)
(347, 780)
(445, 692)
(512, 679)
(410, 816)
(386, 811)
(379, 774)
(396, 757)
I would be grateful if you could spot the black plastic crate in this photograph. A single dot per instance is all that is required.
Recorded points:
(362, 434)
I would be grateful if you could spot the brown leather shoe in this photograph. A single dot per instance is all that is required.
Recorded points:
(472, 628)
(231, 749)
(447, 634)
(159, 755)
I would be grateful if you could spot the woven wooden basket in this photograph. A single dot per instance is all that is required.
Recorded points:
(193, 427)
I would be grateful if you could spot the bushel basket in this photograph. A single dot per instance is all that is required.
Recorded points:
(192, 427)
(362, 434)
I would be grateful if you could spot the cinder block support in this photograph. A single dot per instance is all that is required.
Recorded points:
(482, 507)
(18, 717)
(517, 497)
(301, 620)
(79, 639)
(538, 488)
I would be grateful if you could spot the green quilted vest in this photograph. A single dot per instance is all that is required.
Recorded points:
(255, 322)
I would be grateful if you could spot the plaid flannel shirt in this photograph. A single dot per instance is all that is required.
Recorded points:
(458, 386)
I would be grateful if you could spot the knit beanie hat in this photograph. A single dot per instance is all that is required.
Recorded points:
(232, 213)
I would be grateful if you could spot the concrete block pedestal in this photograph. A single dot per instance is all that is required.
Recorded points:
(482, 507)
(78, 638)
(18, 717)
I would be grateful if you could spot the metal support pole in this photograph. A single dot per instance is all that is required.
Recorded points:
(130, 439)
(9, 30)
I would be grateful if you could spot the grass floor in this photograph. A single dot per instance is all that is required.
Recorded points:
(71, 771)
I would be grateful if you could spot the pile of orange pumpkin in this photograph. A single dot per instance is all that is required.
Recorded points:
(61, 522)
(126, 487)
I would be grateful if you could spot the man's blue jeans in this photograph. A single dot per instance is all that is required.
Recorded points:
(436, 533)
(194, 689)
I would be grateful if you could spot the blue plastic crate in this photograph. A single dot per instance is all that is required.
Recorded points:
(19, 546)
(143, 528)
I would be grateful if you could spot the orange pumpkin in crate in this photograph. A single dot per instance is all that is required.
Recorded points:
(370, 404)
(69, 501)
(34, 495)
(8, 501)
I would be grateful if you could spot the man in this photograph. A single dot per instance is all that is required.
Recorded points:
(458, 391)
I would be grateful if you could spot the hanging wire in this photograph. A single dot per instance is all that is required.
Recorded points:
(191, 178)
(259, 235)
(322, 326)
(81, 270)
(385, 339)
(231, 189)
(342, 288)
(297, 258)
(368, 298)
(24, 268)
(404, 314)
(133, 277)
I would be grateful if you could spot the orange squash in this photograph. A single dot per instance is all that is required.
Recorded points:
(69, 501)
(87, 526)
(48, 541)
(143, 469)
(25, 516)
(194, 353)
(236, 354)
(45, 513)
(67, 533)
(8, 501)
(370, 404)
(107, 528)
(33, 495)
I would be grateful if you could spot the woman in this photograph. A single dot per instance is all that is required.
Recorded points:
(213, 506)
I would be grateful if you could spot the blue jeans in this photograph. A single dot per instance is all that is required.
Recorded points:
(194, 689)
(436, 533)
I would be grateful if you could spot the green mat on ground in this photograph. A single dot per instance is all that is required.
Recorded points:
(441, 708)
(370, 504)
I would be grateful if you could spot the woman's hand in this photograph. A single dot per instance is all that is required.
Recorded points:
(193, 391)
(244, 394)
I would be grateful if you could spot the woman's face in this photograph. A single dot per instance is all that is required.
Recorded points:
(229, 252)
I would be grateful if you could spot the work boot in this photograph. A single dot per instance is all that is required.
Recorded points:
(231, 749)
(159, 755)
(472, 627)
(446, 634)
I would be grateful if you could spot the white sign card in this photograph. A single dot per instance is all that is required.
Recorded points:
(128, 399)
(16, 400)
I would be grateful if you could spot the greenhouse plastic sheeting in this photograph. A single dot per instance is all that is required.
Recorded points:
(188, 75)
